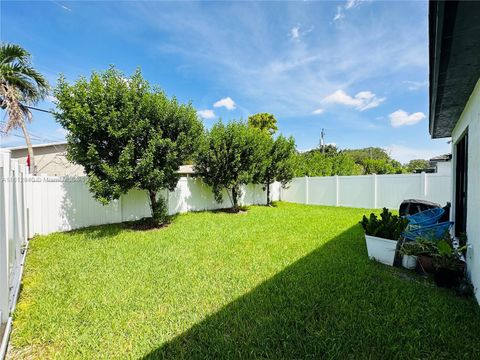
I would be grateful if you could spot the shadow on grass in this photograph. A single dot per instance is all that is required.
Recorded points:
(333, 303)
(98, 231)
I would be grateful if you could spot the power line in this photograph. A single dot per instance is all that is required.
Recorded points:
(38, 109)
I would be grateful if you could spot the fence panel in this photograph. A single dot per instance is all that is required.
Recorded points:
(295, 191)
(322, 190)
(369, 191)
(393, 189)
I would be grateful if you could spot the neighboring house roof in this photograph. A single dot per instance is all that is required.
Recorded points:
(454, 29)
(182, 170)
(37, 145)
(444, 157)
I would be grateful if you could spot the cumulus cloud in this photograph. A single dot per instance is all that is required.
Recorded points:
(227, 103)
(318, 111)
(401, 117)
(206, 114)
(361, 101)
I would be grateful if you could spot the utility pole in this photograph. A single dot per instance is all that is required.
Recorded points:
(322, 141)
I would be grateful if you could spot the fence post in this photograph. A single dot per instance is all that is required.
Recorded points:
(306, 190)
(374, 190)
(337, 191)
(5, 212)
(424, 184)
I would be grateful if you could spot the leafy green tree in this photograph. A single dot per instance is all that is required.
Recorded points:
(20, 85)
(229, 157)
(126, 135)
(314, 163)
(416, 164)
(278, 163)
(264, 121)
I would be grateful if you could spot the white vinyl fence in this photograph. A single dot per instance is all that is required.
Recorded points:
(32, 205)
(369, 191)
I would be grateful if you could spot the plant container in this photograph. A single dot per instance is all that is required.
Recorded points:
(426, 263)
(409, 262)
(381, 250)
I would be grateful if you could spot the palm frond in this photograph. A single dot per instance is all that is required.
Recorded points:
(12, 52)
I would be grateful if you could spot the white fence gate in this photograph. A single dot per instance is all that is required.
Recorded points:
(369, 191)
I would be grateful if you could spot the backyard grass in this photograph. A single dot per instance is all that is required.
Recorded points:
(285, 282)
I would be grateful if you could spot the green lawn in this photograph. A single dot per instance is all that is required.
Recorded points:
(289, 282)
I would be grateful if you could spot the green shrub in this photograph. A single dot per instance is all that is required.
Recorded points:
(389, 226)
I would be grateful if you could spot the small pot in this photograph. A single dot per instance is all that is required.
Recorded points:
(425, 263)
(409, 262)
(447, 278)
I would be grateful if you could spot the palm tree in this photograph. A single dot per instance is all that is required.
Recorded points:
(20, 85)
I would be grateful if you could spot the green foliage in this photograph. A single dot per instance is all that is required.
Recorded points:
(314, 163)
(374, 160)
(126, 134)
(263, 121)
(417, 164)
(448, 256)
(278, 163)
(419, 247)
(229, 156)
(389, 226)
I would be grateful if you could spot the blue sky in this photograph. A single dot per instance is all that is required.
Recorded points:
(359, 69)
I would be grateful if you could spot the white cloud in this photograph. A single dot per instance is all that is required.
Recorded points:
(339, 15)
(415, 85)
(361, 101)
(61, 5)
(227, 103)
(350, 4)
(295, 32)
(404, 154)
(401, 117)
(318, 111)
(206, 114)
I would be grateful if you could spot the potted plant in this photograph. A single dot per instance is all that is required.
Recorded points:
(409, 252)
(449, 267)
(424, 250)
(382, 234)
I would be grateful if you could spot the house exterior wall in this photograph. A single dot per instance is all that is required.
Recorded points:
(50, 160)
(470, 121)
(444, 167)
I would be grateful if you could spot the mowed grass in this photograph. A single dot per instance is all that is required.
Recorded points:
(285, 282)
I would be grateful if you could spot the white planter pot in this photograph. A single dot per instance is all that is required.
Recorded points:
(409, 262)
(382, 250)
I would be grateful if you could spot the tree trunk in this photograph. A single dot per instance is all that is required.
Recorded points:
(234, 199)
(32, 169)
(153, 203)
(268, 193)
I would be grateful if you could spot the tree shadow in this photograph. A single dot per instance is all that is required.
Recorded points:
(333, 303)
(98, 231)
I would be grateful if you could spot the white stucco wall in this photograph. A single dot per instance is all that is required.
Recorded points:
(470, 121)
(444, 167)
